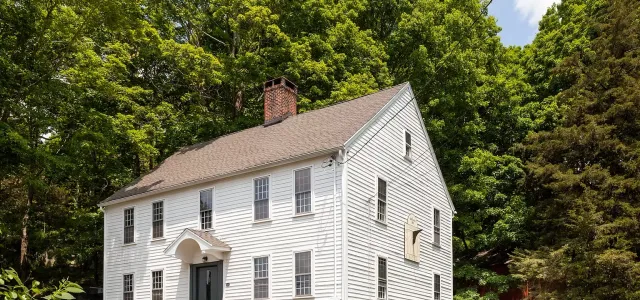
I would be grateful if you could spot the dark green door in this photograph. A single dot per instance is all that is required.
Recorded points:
(206, 281)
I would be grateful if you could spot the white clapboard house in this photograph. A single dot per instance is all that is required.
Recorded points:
(344, 202)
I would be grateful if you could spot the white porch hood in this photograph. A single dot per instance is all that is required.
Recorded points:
(192, 246)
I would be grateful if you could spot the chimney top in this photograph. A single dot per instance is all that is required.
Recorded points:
(280, 97)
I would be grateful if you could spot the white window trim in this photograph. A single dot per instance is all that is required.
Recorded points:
(253, 199)
(213, 208)
(293, 191)
(313, 273)
(375, 266)
(164, 221)
(433, 284)
(253, 274)
(433, 227)
(375, 190)
(133, 284)
(406, 155)
(164, 287)
(135, 226)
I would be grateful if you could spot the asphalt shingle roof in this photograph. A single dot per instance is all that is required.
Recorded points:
(297, 136)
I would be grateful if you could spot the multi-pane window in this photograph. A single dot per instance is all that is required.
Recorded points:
(261, 198)
(128, 225)
(436, 227)
(303, 273)
(436, 287)
(382, 200)
(303, 190)
(156, 285)
(157, 212)
(127, 287)
(382, 278)
(206, 209)
(407, 144)
(261, 277)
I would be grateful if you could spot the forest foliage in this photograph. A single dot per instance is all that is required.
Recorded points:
(539, 145)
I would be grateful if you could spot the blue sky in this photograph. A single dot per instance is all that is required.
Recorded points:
(519, 19)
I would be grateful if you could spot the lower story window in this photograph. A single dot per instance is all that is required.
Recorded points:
(436, 287)
(127, 287)
(261, 277)
(303, 273)
(382, 278)
(156, 291)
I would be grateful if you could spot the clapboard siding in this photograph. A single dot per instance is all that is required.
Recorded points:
(414, 187)
(233, 222)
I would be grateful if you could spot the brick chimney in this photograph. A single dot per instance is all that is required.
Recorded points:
(280, 96)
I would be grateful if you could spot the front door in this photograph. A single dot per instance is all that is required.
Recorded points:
(206, 281)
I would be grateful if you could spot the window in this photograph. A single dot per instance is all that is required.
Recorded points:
(261, 198)
(303, 190)
(158, 219)
(206, 209)
(127, 287)
(303, 273)
(156, 287)
(261, 277)
(407, 144)
(382, 200)
(128, 226)
(436, 287)
(436, 226)
(382, 278)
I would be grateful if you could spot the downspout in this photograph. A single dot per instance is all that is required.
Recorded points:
(335, 230)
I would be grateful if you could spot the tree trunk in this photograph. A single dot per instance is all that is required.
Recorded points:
(24, 239)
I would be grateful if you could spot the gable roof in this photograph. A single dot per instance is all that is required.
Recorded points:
(308, 134)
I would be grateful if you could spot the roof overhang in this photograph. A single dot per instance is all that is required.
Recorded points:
(222, 176)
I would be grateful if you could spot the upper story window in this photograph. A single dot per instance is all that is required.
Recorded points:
(156, 285)
(127, 287)
(157, 212)
(382, 200)
(303, 273)
(261, 277)
(261, 198)
(436, 286)
(382, 278)
(407, 144)
(206, 209)
(128, 225)
(303, 190)
(436, 226)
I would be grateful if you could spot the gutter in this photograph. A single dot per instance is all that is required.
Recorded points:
(221, 176)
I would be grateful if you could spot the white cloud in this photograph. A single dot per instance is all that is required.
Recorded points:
(533, 10)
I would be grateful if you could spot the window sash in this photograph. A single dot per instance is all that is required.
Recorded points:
(206, 209)
(156, 285)
(129, 223)
(436, 287)
(382, 201)
(302, 190)
(436, 226)
(261, 277)
(382, 278)
(303, 273)
(127, 287)
(158, 219)
(261, 198)
(407, 144)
